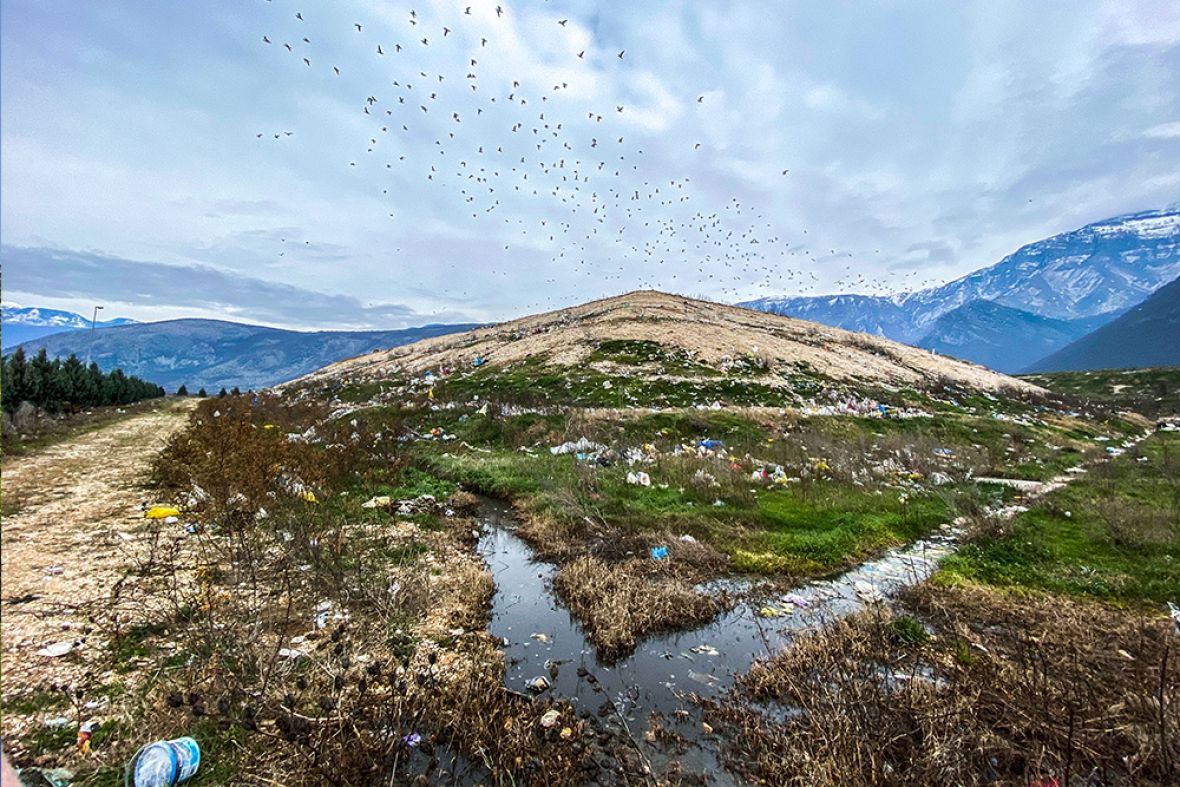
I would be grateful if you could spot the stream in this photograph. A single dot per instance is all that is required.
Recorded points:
(538, 633)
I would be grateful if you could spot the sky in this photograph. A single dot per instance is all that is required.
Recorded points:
(164, 160)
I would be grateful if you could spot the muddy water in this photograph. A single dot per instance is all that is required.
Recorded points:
(542, 639)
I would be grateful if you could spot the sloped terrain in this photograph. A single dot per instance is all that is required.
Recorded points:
(674, 337)
(1001, 337)
(1146, 336)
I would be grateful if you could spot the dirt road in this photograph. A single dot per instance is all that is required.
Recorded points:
(71, 512)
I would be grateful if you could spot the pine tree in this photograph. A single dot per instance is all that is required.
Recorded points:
(182, 390)
(201, 393)
(15, 387)
(236, 391)
(222, 394)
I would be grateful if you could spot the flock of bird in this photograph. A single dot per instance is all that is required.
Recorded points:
(572, 178)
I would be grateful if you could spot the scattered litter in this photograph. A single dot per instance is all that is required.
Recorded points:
(412, 740)
(57, 721)
(796, 599)
(54, 571)
(867, 592)
(161, 512)
(550, 719)
(581, 445)
(539, 684)
(58, 649)
(640, 479)
(769, 612)
(540, 637)
(45, 777)
(291, 653)
(686, 538)
(659, 553)
(1175, 612)
(380, 501)
(165, 763)
(705, 650)
(85, 733)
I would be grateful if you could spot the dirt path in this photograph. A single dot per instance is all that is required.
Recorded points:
(71, 515)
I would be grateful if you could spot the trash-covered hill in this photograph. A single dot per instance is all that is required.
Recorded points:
(720, 352)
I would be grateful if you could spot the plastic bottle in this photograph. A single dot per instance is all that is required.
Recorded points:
(166, 763)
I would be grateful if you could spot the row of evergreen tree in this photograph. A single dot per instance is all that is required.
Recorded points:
(57, 385)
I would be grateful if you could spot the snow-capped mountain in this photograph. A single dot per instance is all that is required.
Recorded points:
(22, 324)
(1100, 270)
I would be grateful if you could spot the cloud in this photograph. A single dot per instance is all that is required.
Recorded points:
(1163, 131)
(68, 275)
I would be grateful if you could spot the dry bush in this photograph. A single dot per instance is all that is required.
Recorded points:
(622, 602)
(1134, 525)
(321, 635)
(1006, 691)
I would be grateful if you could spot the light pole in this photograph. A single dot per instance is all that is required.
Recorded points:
(90, 345)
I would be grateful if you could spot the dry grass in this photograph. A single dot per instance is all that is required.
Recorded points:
(1004, 691)
(621, 602)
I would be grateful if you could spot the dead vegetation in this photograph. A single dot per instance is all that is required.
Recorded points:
(622, 602)
(315, 641)
(974, 688)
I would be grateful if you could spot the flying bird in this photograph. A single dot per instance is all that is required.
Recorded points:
(267, 40)
(562, 22)
(499, 11)
(621, 51)
(582, 53)
(357, 25)
(299, 16)
(380, 51)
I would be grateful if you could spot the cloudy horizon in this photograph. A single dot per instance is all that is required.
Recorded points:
(729, 153)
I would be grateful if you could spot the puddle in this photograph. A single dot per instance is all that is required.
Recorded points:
(541, 638)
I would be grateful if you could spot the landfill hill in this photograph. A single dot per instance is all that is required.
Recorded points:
(688, 349)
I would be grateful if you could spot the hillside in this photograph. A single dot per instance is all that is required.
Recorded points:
(1146, 336)
(21, 324)
(1000, 337)
(1102, 268)
(670, 338)
(214, 354)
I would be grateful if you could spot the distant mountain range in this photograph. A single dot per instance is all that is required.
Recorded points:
(1091, 274)
(1001, 337)
(1147, 335)
(212, 354)
(20, 324)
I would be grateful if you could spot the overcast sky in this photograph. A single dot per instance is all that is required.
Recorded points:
(766, 149)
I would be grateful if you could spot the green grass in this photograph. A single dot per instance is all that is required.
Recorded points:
(1114, 534)
(1149, 391)
(34, 702)
(832, 527)
(133, 644)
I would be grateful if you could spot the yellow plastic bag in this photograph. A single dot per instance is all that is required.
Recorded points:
(161, 512)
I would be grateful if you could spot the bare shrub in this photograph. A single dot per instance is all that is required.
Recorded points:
(628, 600)
(1005, 690)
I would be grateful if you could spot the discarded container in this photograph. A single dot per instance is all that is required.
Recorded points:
(165, 763)
(161, 512)
(659, 553)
